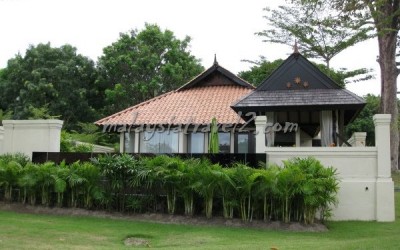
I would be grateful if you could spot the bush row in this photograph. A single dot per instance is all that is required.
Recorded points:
(299, 190)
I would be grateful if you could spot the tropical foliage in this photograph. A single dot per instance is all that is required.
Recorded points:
(49, 81)
(57, 82)
(322, 32)
(300, 190)
(144, 64)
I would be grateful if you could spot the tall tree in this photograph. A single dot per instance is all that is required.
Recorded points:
(57, 81)
(321, 32)
(141, 65)
(384, 17)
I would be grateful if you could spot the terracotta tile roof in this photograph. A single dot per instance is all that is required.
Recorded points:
(196, 105)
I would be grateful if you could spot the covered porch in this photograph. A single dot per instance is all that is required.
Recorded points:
(299, 106)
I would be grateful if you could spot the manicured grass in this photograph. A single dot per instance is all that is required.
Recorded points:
(26, 231)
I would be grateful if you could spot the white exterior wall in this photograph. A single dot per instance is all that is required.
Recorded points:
(1, 140)
(356, 168)
(27, 136)
(366, 187)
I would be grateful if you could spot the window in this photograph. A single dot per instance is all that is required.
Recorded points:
(196, 143)
(129, 142)
(159, 142)
(224, 142)
(245, 143)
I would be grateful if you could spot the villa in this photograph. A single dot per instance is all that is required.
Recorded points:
(303, 107)
(296, 112)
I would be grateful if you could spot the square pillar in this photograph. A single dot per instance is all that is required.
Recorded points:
(261, 123)
(382, 143)
(137, 141)
(121, 142)
(384, 183)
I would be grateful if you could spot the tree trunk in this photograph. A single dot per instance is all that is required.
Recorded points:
(387, 63)
(387, 38)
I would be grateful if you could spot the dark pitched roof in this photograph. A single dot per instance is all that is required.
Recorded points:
(299, 84)
(296, 72)
(316, 99)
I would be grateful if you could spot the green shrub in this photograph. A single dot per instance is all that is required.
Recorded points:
(21, 158)
(299, 190)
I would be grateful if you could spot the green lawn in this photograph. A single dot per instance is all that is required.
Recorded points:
(26, 231)
(396, 178)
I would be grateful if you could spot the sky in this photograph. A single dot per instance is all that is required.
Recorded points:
(222, 27)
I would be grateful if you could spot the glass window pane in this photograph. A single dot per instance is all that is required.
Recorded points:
(243, 143)
(196, 143)
(224, 142)
(149, 142)
(168, 142)
(129, 142)
(159, 142)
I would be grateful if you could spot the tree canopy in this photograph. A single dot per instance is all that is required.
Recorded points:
(49, 81)
(321, 31)
(141, 65)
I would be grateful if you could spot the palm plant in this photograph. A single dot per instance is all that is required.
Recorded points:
(169, 171)
(45, 181)
(146, 179)
(117, 169)
(60, 182)
(90, 187)
(75, 183)
(264, 186)
(318, 189)
(187, 183)
(9, 175)
(28, 182)
(288, 185)
(208, 178)
(243, 180)
(226, 188)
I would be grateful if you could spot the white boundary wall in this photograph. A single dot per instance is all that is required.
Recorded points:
(1, 139)
(366, 187)
(27, 136)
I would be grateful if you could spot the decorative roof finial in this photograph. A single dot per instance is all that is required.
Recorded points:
(295, 47)
(215, 59)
